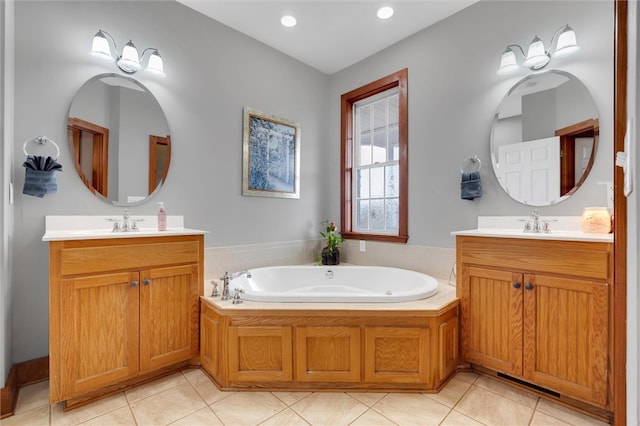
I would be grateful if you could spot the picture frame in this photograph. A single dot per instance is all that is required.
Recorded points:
(270, 156)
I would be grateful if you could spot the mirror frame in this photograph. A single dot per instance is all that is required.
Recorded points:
(567, 135)
(101, 136)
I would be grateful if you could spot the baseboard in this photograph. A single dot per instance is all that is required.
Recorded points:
(25, 373)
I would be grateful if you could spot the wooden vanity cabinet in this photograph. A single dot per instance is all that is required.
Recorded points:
(539, 311)
(121, 309)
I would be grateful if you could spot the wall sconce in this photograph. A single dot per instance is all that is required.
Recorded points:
(129, 61)
(537, 57)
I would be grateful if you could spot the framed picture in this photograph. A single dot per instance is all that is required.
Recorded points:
(271, 156)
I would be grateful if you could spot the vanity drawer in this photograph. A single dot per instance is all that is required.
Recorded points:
(103, 257)
(571, 258)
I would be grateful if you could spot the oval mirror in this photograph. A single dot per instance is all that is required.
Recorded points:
(120, 139)
(544, 138)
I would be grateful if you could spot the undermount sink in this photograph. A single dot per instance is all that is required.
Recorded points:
(562, 228)
(91, 227)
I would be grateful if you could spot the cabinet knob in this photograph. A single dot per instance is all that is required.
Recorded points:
(134, 283)
(516, 284)
(147, 281)
(529, 286)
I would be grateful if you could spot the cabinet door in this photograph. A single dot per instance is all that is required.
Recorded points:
(327, 354)
(397, 355)
(566, 326)
(98, 331)
(260, 354)
(169, 316)
(491, 310)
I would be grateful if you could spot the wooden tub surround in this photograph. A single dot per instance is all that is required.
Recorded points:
(409, 346)
(122, 311)
(540, 311)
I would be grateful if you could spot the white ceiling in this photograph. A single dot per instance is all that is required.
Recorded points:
(330, 35)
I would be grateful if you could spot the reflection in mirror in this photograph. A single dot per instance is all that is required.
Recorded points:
(544, 138)
(120, 139)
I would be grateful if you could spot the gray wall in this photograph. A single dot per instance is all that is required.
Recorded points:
(212, 72)
(454, 92)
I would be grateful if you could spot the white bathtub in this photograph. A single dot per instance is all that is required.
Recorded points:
(340, 283)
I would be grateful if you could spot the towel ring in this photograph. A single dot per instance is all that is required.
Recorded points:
(471, 164)
(41, 140)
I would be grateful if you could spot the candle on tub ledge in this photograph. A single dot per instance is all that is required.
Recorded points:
(596, 220)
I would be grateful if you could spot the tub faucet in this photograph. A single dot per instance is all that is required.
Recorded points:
(228, 277)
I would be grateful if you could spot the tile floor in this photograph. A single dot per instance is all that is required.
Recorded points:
(190, 398)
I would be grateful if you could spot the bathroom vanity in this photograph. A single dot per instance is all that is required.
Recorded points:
(537, 310)
(122, 309)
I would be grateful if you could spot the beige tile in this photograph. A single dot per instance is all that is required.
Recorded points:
(542, 419)
(247, 408)
(35, 417)
(88, 412)
(329, 408)
(518, 395)
(368, 399)
(490, 408)
(120, 417)
(451, 393)
(167, 406)
(411, 409)
(205, 387)
(372, 418)
(467, 376)
(33, 396)
(458, 419)
(287, 417)
(565, 414)
(157, 386)
(203, 417)
(291, 398)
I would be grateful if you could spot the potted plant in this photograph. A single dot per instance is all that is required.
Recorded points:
(331, 252)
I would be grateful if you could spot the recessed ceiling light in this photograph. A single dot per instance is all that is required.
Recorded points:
(288, 21)
(385, 12)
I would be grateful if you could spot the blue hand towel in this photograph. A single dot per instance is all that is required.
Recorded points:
(470, 187)
(39, 182)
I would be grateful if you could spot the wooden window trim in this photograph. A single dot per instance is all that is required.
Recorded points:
(399, 80)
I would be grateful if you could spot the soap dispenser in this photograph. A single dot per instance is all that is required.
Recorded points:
(162, 218)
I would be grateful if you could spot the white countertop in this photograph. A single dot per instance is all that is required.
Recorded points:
(566, 228)
(59, 228)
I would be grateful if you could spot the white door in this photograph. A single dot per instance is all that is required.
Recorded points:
(530, 171)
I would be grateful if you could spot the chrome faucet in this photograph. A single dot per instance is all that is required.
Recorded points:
(533, 224)
(128, 224)
(125, 220)
(228, 277)
(535, 217)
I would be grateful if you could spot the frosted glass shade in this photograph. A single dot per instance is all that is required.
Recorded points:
(567, 42)
(155, 63)
(129, 61)
(100, 46)
(536, 55)
(508, 61)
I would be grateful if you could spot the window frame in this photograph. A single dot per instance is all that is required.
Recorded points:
(347, 101)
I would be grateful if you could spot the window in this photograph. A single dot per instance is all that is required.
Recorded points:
(374, 160)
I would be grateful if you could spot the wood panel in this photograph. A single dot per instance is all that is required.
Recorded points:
(108, 257)
(566, 335)
(397, 355)
(448, 338)
(327, 354)
(169, 315)
(260, 354)
(209, 341)
(491, 315)
(588, 259)
(99, 331)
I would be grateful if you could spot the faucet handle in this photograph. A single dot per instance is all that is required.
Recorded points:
(215, 292)
(236, 296)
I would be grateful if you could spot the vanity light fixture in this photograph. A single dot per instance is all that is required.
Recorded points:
(129, 62)
(537, 57)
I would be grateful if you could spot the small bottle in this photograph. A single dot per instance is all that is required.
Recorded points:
(162, 218)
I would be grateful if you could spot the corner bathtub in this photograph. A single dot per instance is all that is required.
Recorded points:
(340, 283)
